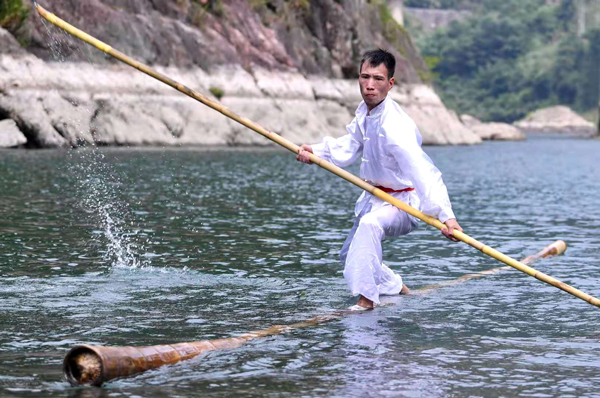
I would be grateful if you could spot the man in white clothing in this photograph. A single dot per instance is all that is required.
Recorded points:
(388, 144)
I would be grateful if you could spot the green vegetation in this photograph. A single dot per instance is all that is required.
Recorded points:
(392, 30)
(12, 14)
(217, 92)
(514, 56)
(397, 36)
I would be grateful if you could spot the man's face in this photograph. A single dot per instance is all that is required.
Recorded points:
(374, 84)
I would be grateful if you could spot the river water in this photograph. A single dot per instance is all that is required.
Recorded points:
(158, 246)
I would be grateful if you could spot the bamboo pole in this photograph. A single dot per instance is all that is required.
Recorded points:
(555, 249)
(322, 163)
(95, 365)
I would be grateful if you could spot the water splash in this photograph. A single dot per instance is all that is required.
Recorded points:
(98, 188)
(96, 180)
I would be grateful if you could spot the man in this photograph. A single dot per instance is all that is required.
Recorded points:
(388, 144)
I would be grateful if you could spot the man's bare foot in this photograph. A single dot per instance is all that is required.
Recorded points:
(365, 302)
(405, 289)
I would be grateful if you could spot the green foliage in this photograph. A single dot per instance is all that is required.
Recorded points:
(590, 93)
(12, 14)
(392, 30)
(513, 57)
(217, 92)
(566, 13)
(429, 76)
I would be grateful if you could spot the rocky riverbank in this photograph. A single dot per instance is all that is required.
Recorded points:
(69, 104)
(287, 65)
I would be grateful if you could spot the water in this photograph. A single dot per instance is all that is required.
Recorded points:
(153, 246)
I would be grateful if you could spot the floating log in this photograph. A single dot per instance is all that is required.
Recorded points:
(95, 365)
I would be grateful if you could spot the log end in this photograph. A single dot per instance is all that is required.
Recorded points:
(557, 248)
(82, 366)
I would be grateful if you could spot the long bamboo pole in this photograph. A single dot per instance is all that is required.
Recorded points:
(95, 365)
(554, 249)
(322, 163)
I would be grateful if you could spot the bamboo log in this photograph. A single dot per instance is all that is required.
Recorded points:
(95, 365)
(322, 163)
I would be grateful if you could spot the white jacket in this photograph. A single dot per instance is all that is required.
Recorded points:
(388, 144)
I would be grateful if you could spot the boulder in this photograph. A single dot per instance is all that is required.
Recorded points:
(492, 131)
(70, 114)
(498, 132)
(9, 45)
(556, 119)
(437, 124)
(127, 120)
(27, 110)
(469, 120)
(10, 135)
(283, 84)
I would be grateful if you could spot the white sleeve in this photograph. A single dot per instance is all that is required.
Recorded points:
(417, 166)
(342, 151)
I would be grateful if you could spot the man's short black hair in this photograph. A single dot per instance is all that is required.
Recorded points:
(378, 57)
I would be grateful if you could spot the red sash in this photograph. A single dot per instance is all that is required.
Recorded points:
(390, 190)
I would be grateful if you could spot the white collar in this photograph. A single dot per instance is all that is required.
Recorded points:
(362, 109)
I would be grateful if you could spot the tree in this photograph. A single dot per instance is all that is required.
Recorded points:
(515, 56)
(590, 80)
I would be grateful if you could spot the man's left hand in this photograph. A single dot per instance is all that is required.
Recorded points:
(451, 225)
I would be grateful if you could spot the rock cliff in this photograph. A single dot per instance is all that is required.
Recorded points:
(322, 37)
(283, 64)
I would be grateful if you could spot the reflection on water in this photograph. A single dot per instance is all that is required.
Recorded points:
(150, 246)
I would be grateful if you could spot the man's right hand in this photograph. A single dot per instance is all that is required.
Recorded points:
(303, 152)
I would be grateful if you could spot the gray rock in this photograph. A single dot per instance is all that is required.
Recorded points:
(27, 110)
(315, 37)
(283, 84)
(9, 45)
(130, 120)
(498, 132)
(70, 115)
(492, 131)
(68, 104)
(469, 120)
(556, 119)
(262, 111)
(437, 124)
(10, 135)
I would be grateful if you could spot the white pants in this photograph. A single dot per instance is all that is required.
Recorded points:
(361, 254)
